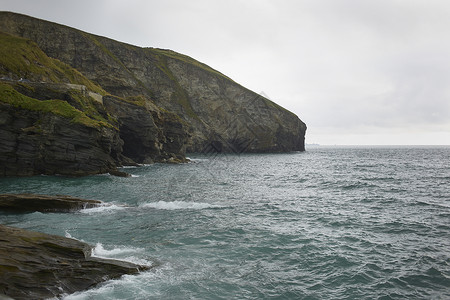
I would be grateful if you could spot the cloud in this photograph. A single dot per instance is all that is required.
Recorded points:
(345, 67)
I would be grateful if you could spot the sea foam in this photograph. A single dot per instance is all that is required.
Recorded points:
(129, 254)
(107, 208)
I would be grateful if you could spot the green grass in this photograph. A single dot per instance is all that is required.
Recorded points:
(186, 59)
(58, 107)
(87, 105)
(105, 50)
(24, 59)
(179, 95)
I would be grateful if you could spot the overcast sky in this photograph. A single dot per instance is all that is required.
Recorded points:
(355, 71)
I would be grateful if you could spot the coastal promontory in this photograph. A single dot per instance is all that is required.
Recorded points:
(75, 103)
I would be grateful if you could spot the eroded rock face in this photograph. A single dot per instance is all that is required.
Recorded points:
(44, 203)
(33, 142)
(221, 114)
(149, 133)
(40, 266)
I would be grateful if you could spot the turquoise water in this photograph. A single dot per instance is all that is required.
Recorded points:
(328, 223)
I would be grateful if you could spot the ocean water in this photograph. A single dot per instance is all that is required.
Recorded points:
(328, 223)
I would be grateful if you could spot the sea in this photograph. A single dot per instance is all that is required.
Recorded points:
(327, 223)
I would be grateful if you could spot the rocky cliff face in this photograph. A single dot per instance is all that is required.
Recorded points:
(44, 143)
(221, 114)
(53, 120)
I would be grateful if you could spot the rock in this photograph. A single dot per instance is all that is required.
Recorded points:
(220, 115)
(44, 203)
(51, 127)
(118, 173)
(149, 133)
(39, 142)
(40, 266)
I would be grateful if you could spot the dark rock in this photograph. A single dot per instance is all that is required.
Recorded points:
(40, 266)
(219, 113)
(118, 173)
(148, 132)
(34, 142)
(44, 203)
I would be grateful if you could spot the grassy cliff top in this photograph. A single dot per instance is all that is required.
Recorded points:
(22, 58)
(187, 59)
(58, 107)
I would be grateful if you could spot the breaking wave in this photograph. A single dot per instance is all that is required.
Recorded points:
(128, 254)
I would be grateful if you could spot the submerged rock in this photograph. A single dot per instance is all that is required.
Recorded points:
(44, 203)
(35, 265)
(118, 173)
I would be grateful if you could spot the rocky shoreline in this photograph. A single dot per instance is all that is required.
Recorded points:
(44, 203)
(35, 265)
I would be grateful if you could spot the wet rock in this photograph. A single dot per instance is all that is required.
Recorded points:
(119, 173)
(35, 265)
(44, 203)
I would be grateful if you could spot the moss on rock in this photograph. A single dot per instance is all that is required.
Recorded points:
(59, 107)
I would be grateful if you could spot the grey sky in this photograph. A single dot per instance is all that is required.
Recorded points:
(356, 71)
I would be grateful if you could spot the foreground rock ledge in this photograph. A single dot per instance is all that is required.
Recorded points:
(35, 265)
(44, 203)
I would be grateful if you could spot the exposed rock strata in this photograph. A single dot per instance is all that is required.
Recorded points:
(36, 142)
(149, 133)
(221, 114)
(40, 266)
(66, 128)
(44, 203)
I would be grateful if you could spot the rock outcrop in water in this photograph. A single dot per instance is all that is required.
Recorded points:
(44, 203)
(40, 266)
(127, 104)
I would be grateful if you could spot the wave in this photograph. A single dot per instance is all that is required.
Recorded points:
(106, 208)
(128, 287)
(100, 251)
(197, 160)
(179, 205)
(120, 253)
(69, 236)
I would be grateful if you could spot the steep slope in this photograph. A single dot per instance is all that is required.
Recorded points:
(222, 115)
(53, 120)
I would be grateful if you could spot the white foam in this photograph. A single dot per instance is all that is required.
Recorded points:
(68, 235)
(104, 289)
(197, 160)
(106, 208)
(128, 254)
(179, 205)
(145, 165)
(100, 251)
(126, 287)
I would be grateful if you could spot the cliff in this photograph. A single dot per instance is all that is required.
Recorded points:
(53, 120)
(159, 103)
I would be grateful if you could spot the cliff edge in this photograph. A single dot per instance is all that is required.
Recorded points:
(156, 104)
